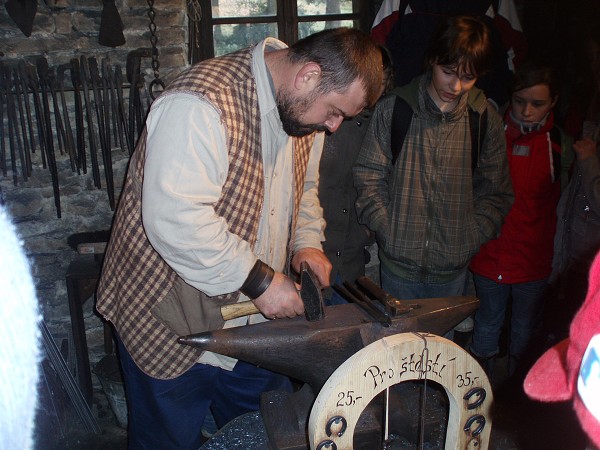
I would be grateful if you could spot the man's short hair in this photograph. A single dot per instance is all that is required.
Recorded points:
(344, 55)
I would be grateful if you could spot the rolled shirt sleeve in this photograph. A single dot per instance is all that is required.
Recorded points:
(310, 226)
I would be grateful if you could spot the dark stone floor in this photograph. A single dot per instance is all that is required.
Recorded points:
(519, 424)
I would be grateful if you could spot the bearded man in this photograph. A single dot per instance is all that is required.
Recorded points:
(220, 198)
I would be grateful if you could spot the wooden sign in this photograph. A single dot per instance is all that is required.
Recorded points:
(393, 360)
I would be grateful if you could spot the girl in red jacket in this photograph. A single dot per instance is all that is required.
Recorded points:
(518, 263)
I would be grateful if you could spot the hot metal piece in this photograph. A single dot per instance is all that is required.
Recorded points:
(355, 296)
(392, 305)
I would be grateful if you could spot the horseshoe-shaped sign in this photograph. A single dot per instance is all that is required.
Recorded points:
(393, 360)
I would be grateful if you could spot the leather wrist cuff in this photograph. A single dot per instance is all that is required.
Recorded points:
(258, 280)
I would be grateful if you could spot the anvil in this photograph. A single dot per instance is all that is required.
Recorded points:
(312, 351)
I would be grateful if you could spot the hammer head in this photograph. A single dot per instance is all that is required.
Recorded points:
(310, 293)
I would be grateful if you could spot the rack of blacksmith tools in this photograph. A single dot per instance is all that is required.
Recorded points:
(77, 111)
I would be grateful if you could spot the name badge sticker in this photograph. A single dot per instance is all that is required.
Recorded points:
(520, 150)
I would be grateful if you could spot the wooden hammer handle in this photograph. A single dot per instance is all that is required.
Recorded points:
(238, 310)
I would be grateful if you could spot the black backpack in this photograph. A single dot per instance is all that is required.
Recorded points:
(402, 117)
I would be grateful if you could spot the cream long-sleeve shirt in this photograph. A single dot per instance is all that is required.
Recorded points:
(177, 210)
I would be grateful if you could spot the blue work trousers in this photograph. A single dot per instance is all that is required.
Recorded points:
(404, 289)
(527, 308)
(168, 414)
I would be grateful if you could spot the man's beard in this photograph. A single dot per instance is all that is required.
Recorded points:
(290, 110)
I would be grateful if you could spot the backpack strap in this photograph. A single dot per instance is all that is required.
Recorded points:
(562, 161)
(401, 118)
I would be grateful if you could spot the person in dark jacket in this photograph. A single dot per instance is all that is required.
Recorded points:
(346, 239)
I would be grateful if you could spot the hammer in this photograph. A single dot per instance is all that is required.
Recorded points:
(310, 293)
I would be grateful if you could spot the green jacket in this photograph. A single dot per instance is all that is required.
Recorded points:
(431, 211)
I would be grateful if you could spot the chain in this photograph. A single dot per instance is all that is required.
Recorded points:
(153, 41)
(194, 12)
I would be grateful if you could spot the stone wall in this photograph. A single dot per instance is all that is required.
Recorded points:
(62, 30)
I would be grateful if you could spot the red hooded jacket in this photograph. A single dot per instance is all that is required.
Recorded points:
(523, 251)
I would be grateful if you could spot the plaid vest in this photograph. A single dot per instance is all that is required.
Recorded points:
(134, 277)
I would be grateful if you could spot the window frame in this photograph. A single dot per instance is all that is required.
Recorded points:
(287, 21)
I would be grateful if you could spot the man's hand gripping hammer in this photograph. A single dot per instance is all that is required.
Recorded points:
(310, 293)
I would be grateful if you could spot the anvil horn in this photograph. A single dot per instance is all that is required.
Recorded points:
(312, 351)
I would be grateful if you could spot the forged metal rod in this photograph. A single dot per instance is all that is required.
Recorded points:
(114, 103)
(392, 305)
(136, 80)
(12, 126)
(42, 68)
(2, 143)
(26, 162)
(30, 75)
(352, 294)
(69, 140)
(68, 382)
(122, 118)
(102, 130)
(133, 68)
(79, 128)
(25, 89)
(12, 111)
(110, 107)
(85, 77)
(60, 129)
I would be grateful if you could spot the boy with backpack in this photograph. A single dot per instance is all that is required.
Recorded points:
(436, 194)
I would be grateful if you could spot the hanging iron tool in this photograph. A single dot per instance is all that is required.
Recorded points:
(85, 81)
(42, 69)
(122, 116)
(79, 128)
(23, 13)
(111, 26)
(137, 112)
(30, 74)
(103, 86)
(5, 80)
(60, 129)
(194, 13)
(2, 142)
(69, 140)
(25, 89)
(110, 103)
(26, 168)
(14, 129)
(103, 130)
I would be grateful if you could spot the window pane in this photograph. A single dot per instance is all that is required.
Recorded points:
(243, 8)
(320, 7)
(308, 28)
(229, 38)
